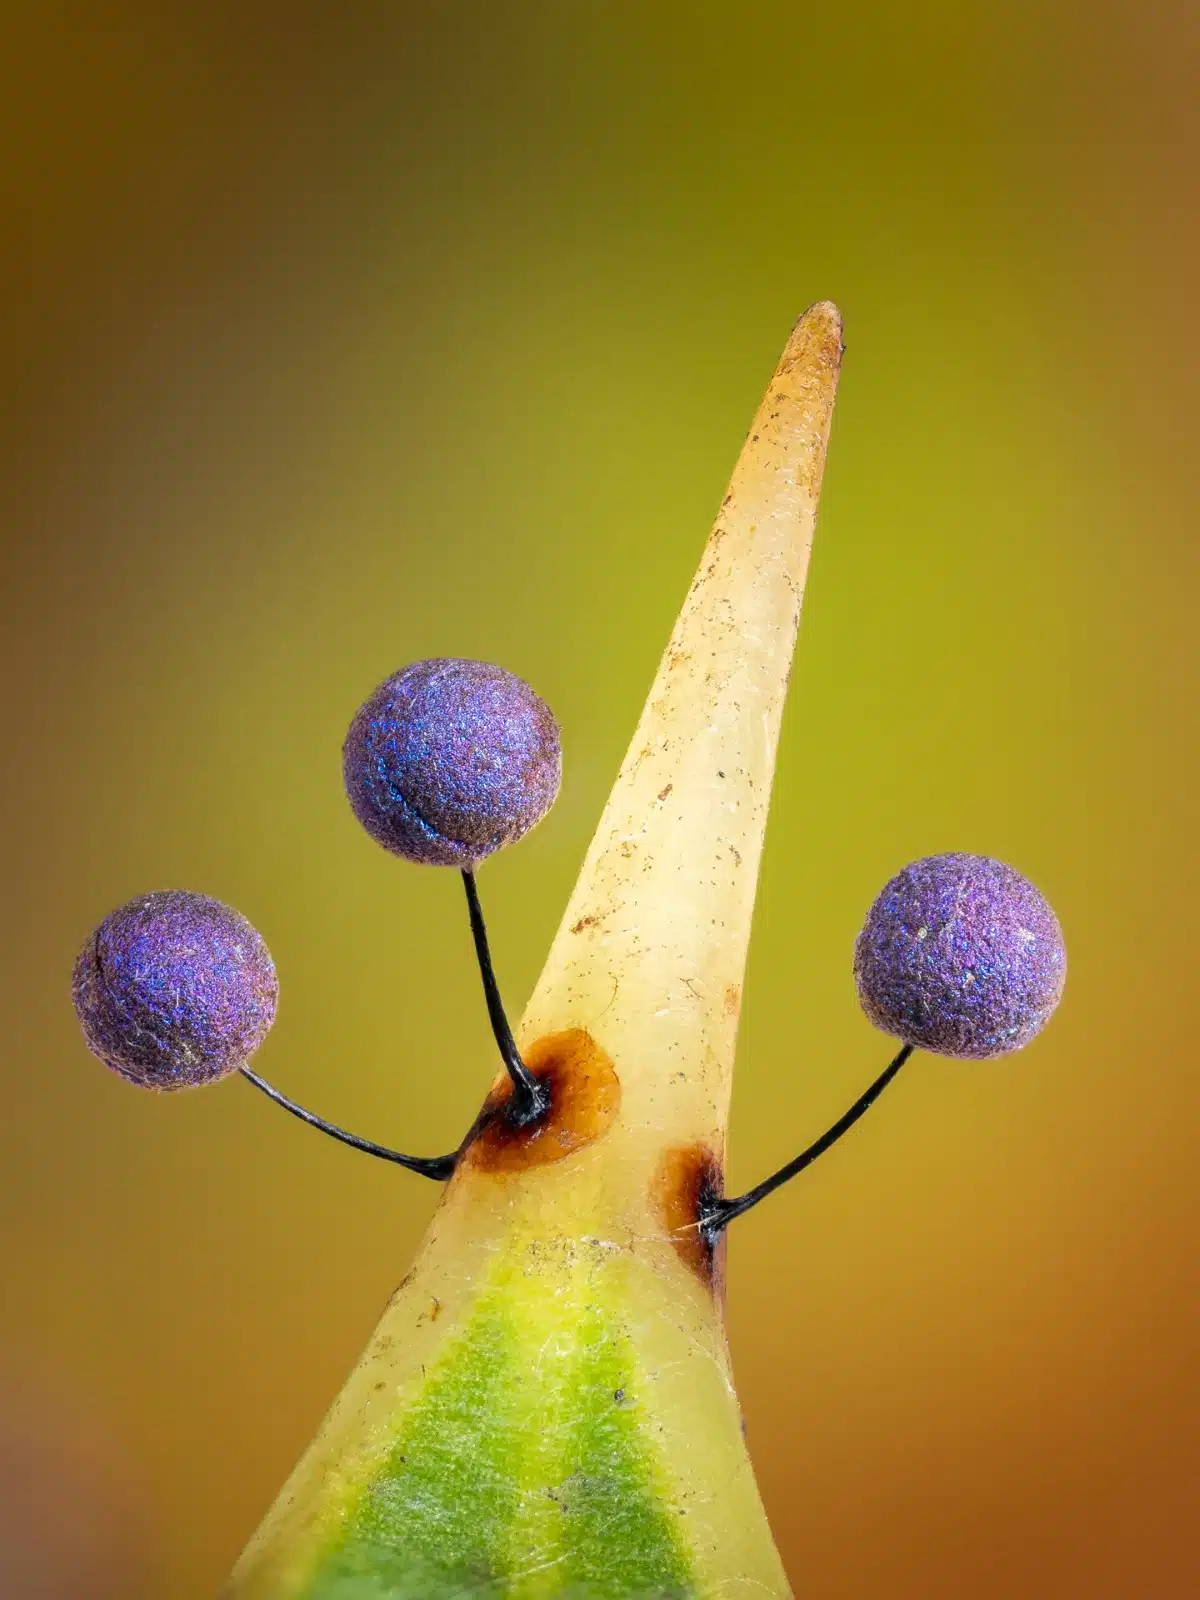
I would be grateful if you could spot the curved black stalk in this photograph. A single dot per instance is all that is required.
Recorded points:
(720, 1213)
(436, 1167)
(530, 1098)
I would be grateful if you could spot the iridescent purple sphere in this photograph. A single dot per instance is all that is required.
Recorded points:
(962, 956)
(449, 760)
(175, 990)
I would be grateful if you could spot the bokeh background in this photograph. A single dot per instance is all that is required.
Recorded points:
(335, 336)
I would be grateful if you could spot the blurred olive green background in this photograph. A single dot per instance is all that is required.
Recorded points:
(338, 336)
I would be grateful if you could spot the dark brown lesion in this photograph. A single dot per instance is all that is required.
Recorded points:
(584, 1095)
(687, 1186)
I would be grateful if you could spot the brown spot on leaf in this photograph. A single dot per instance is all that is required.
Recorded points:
(733, 999)
(590, 921)
(663, 793)
(689, 1178)
(432, 1313)
(585, 1095)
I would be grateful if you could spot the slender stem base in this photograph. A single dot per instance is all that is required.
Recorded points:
(530, 1098)
(437, 1167)
(720, 1213)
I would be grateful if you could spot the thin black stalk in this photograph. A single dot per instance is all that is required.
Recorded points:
(720, 1213)
(530, 1098)
(436, 1167)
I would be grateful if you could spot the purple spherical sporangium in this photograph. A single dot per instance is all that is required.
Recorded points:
(175, 990)
(962, 956)
(449, 760)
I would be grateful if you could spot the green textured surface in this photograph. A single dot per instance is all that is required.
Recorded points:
(522, 1470)
(432, 1521)
(617, 1541)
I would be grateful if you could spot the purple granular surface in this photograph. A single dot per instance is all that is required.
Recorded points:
(449, 760)
(175, 990)
(962, 956)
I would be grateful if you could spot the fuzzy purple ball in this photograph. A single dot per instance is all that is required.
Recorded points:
(175, 990)
(962, 956)
(449, 760)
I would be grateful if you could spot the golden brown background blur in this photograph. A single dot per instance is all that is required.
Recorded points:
(338, 336)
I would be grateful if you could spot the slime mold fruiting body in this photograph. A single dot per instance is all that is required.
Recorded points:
(450, 760)
(962, 956)
(174, 990)
(547, 1407)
